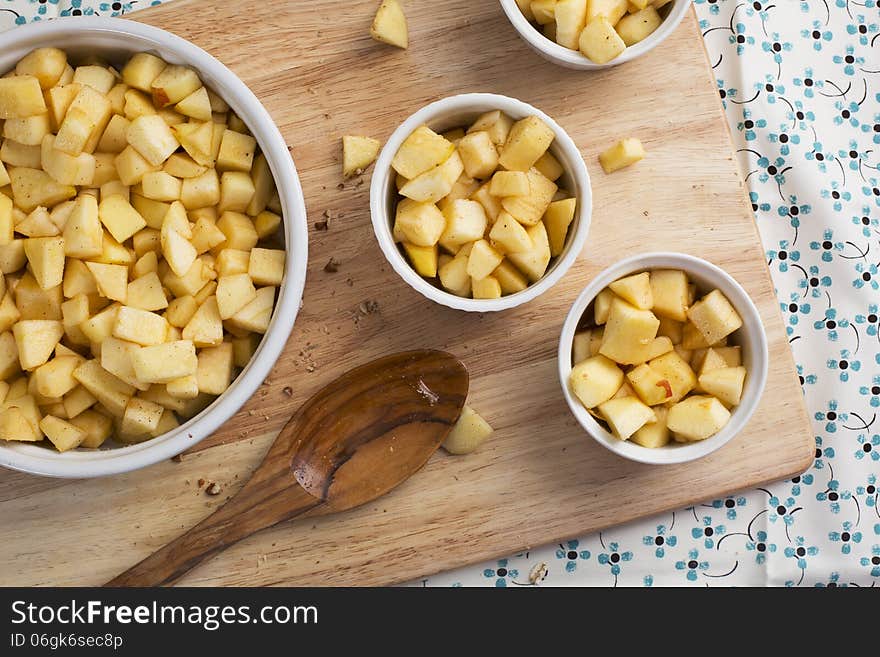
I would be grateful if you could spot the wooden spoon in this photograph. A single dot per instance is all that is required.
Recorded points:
(352, 442)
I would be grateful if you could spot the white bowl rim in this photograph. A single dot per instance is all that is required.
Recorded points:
(752, 332)
(478, 102)
(83, 463)
(574, 58)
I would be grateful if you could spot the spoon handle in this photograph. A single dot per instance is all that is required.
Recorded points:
(254, 508)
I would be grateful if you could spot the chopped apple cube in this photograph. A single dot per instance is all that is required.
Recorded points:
(389, 25)
(358, 153)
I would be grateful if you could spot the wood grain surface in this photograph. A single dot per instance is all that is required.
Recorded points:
(540, 478)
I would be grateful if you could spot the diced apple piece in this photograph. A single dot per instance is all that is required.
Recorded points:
(111, 280)
(465, 221)
(530, 209)
(496, 123)
(639, 25)
(236, 151)
(423, 150)
(483, 260)
(478, 154)
(491, 204)
(150, 136)
(234, 293)
(146, 293)
(97, 427)
(179, 253)
(421, 224)
(629, 333)
(544, 11)
(196, 139)
(623, 154)
(613, 10)
(116, 358)
(120, 218)
(165, 362)
(45, 64)
(239, 231)
(32, 188)
(358, 153)
(725, 383)
(140, 326)
(469, 432)
(55, 377)
(35, 340)
(205, 328)
(422, 258)
(434, 184)
(46, 258)
(635, 289)
(131, 166)
(21, 97)
(486, 288)
(602, 306)
(64, 436)
(649, 385)
(653, 434)
(29, 131)
(599, 42)
(595, 380)
(453, 273)
(509, 278)
(37, 224)
(389, 25)
(714, 317)
(141, 416)
(670, 295)
(510, 235)
(557, 219)
(626, 415)
(140, 71)
(174, 84)
(528, 140)
(214, 372)
(509, 183)
(698, 417)
(256, 315)
(9, 363)
(197, 105)
(674, 369)
(732, 355)
(83, 235)
(533, 263)
(161, 186)
(186, 387)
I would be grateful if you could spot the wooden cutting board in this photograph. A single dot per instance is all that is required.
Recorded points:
(540, 478)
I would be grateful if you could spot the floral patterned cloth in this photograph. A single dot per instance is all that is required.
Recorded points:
(800, 81)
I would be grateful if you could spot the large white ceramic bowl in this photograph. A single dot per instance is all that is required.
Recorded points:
(751, 337)
(461, 110)
(553, 52)
(115, 39)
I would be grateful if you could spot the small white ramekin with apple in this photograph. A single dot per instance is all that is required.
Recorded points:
(663, 358)
(593, 34)
(480, 202)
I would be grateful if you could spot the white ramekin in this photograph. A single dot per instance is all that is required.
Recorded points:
(752, 339)
(553, 52)
(115, 39)
(458, 111)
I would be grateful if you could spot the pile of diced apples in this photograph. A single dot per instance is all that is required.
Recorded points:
(655, 366)
(136, 216)
(481, 212)
(600, 29)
